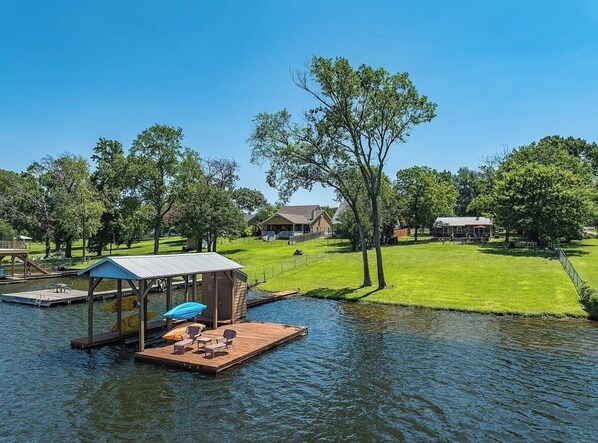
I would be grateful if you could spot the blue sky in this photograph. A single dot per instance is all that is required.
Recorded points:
(503, 73)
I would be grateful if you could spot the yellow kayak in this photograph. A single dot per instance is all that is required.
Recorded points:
(175, 334)
(131, 321)
(128, 303)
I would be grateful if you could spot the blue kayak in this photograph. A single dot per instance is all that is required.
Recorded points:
(185, 311)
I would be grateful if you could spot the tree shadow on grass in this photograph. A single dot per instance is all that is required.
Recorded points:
(339, 294)
(500, 249)
(420, 241)
(179, 242)
(575, 252)
(230, 251)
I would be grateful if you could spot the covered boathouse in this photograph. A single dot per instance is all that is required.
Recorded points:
(224, 289)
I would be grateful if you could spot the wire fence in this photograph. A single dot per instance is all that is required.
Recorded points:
(568, 266)
(286, 265)
(305, 237)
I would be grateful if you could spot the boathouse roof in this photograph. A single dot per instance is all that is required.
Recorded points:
(142, 267)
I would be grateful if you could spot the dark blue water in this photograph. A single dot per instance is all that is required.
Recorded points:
(364, 373)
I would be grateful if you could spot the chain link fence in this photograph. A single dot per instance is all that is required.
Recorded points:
(568, 266)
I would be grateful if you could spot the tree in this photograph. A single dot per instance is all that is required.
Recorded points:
(301, 156)
(366, 112)
(545, 190)
(209, 213)
(221, 172)
(545, 202)
(469, 186)
(110, 180)
(154, 164)
(360, 115)
(249, 199)
(6, 231)
(77, 208)
(423, 195)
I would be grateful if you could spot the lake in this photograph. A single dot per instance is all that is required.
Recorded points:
(364, 373)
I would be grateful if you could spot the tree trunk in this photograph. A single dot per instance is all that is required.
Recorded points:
(416, 228)
(367, 280)
(68, 249)
(376, 226)
(215, 240)
(157, 224)
(47, 246)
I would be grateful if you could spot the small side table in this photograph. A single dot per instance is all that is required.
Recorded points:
(202, 342)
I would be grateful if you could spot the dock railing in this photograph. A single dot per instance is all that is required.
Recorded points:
(12, 244)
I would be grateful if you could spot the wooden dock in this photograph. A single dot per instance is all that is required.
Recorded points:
(270, 298)
(46, 298)
(253, 338)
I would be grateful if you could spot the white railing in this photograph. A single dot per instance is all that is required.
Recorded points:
(12, 244)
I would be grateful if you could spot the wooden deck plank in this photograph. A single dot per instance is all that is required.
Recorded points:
(269, 298)
(253, 338)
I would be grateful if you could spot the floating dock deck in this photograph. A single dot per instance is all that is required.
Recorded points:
(46, 298)
(253, 338)
(269, 298)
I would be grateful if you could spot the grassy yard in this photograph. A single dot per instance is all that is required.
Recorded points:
(584, 256)
(468, 277)
(258, 258)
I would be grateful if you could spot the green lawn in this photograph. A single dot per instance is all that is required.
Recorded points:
(258, 258)
(466, 277)
(584, 256)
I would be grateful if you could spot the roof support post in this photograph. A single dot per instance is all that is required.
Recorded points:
(92, 284)
(169, 301)
(194, 287)
(215, 317)
(119, 305)
(141, 316)
(186, 288)
(90, 310)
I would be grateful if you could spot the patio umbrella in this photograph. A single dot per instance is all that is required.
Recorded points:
(185, 311)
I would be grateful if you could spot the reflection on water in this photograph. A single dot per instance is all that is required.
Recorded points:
(364, 372)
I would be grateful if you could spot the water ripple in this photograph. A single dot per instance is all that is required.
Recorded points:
(363, 373)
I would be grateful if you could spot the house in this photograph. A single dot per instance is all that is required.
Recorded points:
(296, 220)
(462, 227)
(253, 223)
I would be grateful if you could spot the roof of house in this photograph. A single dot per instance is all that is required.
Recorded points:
(462, 221)
(342, 207)
(159, 266)
(299, 215)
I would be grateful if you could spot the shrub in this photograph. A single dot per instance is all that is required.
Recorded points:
(589, 300)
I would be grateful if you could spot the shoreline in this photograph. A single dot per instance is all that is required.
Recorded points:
(547, 315)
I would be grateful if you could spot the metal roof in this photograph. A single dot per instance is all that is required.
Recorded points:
(159, 266)
(462, 221)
